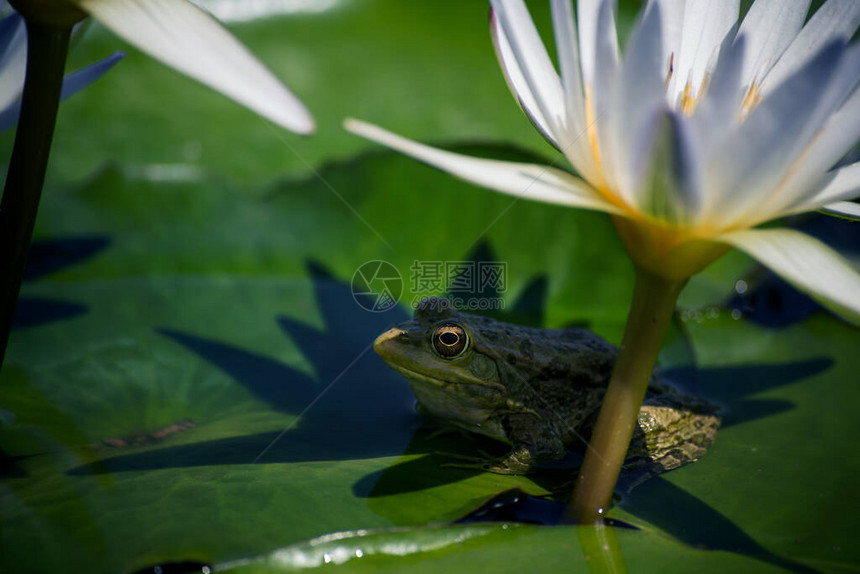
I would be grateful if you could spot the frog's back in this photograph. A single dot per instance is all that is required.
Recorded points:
(575, 356)
(561, 374)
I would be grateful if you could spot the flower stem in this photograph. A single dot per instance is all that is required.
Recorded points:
(47, 46)
(654, 300)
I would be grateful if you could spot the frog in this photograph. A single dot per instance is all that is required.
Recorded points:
(539, 390)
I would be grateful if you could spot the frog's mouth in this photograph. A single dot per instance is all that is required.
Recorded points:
(464, 404)
(488, 387)
(419, 377)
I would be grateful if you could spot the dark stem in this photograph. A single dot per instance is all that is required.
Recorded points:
(46, 59)
(653, 303)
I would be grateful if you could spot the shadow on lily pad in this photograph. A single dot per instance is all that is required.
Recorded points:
(699, 525)
(48, 256)
(354, 407)
(730, 386)
(35, 311)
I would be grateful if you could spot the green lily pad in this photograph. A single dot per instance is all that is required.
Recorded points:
(191, 378)
(298, 429)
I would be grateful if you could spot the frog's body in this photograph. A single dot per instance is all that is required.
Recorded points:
(537, 389)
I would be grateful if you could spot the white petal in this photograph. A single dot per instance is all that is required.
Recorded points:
(808, 183)
(517, 82)
(806, 263)
(706, 24)
(13, 59)
(80, 79)
(671, 28)
(835, 19)
(843, 209)
(715, 115)
(845, 184)
(188, 39)
(564, 29)
(845, 79)
(576, 147)
(72, 84)
(769, 27)
(752, 160)
(605, 53)
(670, 173)
(639, 94)
(587, 15)
(534, 64)
(529, 181)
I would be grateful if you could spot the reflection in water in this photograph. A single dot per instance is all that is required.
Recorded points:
(601, 549)
(245, 10)
(515, 505)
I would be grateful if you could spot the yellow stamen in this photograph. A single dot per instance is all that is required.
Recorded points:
(703, 87)
(600, 184)
(751, 100)
(591, 126)
(688, 100)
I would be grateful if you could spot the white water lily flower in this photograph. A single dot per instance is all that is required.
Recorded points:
(13, 63)
(700, 132)
(189, 39)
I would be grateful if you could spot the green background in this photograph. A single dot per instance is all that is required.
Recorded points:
(191, 261)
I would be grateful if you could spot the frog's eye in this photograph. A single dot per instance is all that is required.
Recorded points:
(450, 340)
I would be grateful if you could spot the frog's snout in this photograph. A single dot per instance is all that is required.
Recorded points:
(385, 341)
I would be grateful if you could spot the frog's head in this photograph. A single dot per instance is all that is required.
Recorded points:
(437, 353)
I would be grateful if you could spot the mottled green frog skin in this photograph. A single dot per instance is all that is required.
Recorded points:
(538, 390)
